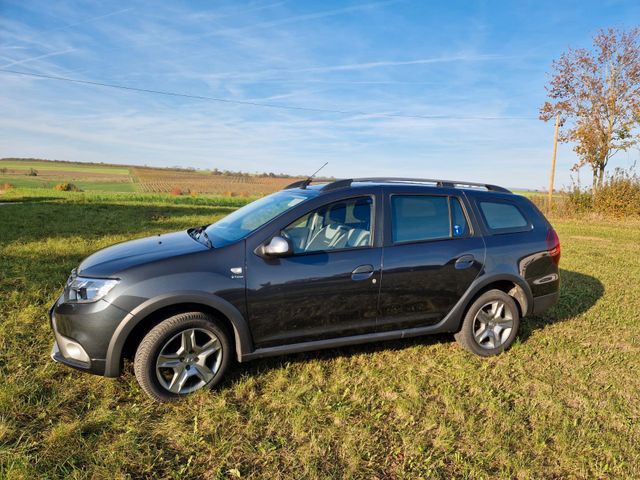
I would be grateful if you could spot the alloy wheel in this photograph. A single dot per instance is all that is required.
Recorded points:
(189, 360)
(492, 324)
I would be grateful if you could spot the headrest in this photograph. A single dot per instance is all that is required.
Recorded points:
(338, 213)
(362, 211)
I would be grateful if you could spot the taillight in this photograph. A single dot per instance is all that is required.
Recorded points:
(553, 245)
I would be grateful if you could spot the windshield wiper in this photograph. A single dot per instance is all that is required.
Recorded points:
(200, 232)
(206, 237)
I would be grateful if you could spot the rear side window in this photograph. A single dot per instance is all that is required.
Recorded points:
(426, 217)
(501, 216)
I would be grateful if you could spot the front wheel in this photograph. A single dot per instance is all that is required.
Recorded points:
(490, 325)
(182, 354)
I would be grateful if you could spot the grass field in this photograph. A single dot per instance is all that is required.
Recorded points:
(157, 180)
(47, 165)
(562, 403)
(92, 177)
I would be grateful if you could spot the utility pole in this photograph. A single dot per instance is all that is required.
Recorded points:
(553, 160)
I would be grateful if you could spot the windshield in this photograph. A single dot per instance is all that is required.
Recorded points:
(245, 220)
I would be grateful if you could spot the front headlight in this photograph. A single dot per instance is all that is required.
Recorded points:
(85, 290)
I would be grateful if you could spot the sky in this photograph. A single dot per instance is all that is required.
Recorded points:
(378, 88)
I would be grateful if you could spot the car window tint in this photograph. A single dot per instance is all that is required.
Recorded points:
(343, 224)
(419, 217)
(459, 227)
(500, 215)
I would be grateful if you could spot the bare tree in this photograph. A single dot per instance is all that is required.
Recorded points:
(597, 94)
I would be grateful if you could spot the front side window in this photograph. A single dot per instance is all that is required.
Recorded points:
(503, 216)
(417, 218)
(340, 225)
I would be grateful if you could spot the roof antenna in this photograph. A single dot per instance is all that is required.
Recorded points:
(306, 183)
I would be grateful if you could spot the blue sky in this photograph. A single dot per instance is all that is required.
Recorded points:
(462, 60)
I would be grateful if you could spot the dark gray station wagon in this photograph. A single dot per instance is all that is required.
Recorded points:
(313, 266)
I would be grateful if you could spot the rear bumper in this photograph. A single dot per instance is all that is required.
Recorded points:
(545, 302)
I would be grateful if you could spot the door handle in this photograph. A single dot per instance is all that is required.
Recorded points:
(465, 261)
(362, 272)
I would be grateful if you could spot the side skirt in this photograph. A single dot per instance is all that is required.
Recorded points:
(447, 325)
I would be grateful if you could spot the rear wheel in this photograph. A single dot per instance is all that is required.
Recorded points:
(182, 354)
(490, 325)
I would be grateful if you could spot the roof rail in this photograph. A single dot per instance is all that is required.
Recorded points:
(308, 181)
(337, 184)
(436, 182)
(346, 182)
(298, 184)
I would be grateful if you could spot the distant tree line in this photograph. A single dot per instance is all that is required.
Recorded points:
(231, 173)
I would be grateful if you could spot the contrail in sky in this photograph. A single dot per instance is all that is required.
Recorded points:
(39, 57)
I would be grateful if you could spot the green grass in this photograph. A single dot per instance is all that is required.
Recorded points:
(562, 403)
(41, 195)
(89, 177)
(22, 181)
(47, 165)
(106, 186)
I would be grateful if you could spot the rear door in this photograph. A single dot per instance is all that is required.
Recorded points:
(431, 256)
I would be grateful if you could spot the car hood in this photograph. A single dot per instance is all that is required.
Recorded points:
(126, 255)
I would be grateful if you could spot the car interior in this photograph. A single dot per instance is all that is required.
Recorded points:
(340, 225)
(417, 217)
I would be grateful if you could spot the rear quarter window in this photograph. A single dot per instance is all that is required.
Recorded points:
(504, 217)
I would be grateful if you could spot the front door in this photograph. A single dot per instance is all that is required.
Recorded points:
(328, 287)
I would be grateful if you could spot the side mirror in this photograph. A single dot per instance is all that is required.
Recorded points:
(277, 247)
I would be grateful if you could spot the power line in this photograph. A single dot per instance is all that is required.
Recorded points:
(259, 104)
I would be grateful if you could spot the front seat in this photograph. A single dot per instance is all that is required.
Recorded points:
(334, 234)
(359, 234)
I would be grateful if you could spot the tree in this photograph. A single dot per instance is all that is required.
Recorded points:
(597, 95)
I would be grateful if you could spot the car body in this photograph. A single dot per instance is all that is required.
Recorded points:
(334, 264)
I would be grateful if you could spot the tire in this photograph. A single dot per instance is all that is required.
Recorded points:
(196, 352)
(485, 311)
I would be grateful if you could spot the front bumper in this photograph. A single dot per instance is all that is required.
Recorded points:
(95, 366)
(82, 333)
